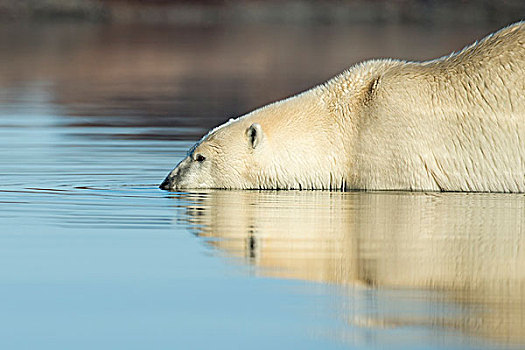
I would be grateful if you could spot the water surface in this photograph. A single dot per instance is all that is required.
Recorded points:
(94, 255)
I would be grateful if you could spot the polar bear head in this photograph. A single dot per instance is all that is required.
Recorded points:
(225, 158)
(291, 144)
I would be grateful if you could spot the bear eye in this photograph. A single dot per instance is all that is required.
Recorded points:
(200, 158)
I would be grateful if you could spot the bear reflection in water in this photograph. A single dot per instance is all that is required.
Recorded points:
(469, 248)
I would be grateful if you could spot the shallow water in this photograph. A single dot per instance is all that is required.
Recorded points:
(94, 255)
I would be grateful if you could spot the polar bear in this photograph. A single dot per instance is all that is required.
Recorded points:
(456, 123)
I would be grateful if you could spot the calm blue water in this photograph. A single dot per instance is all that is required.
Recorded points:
(94, 255)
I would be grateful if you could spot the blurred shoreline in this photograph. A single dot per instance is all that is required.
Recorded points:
(210, 12)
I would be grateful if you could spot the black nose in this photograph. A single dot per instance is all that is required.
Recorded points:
(165, 185)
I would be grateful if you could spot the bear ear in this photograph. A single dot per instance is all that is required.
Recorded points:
(372, 88)
(254, 134)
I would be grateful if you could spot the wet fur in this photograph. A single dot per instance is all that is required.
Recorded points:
(456, 123)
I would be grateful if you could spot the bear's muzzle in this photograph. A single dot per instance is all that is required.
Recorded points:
(165, 185)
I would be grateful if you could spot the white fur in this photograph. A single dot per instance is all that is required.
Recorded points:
(456, 123)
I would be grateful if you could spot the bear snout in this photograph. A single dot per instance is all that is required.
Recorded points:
(177, 176)
(165, 185)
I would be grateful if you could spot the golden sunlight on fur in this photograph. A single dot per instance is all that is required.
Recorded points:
(456, 123)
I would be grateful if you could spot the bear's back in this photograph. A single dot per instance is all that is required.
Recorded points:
(456, 123)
